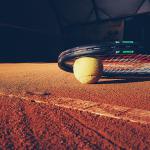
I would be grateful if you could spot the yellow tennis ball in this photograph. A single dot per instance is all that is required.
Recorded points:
(87, 69)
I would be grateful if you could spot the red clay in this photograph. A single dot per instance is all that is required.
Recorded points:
(27, 124)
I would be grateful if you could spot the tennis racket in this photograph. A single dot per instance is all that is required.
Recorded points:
(120, 59)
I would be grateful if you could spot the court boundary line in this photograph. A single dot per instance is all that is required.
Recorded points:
(103, 110)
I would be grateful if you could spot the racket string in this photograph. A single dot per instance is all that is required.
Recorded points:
(127, 64)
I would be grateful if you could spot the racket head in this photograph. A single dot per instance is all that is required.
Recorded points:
(120, 59)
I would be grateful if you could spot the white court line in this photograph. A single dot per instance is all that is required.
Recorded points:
(106, 110)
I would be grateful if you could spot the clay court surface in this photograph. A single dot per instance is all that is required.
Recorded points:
(43, 107)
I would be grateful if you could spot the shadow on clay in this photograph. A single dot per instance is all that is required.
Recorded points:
(119, 81)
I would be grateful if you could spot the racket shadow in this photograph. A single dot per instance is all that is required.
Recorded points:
(124, 80)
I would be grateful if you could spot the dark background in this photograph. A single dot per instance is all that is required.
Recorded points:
(34, 30)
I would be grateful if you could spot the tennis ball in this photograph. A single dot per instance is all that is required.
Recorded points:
(87, 69)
